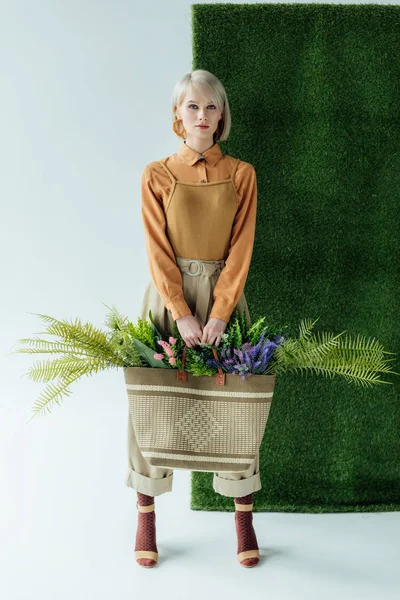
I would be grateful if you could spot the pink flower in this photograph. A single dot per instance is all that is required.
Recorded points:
(158, 356)
(167, 348)
(172, 360)
(172, 340)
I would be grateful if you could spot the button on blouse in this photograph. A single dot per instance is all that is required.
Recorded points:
(190, 166)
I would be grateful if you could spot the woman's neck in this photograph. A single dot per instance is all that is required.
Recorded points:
(199, 146)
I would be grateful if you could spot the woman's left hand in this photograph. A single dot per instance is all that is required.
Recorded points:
(212, 331)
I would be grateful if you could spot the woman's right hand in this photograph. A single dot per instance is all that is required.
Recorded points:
(190, 330)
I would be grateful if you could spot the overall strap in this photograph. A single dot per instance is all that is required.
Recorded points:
(168, 171)
(235, 167)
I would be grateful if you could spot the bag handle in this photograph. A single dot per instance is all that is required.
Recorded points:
(181, 375)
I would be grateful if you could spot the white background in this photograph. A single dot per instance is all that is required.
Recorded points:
(85, 92)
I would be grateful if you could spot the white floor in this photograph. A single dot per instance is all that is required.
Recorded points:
(68, 527)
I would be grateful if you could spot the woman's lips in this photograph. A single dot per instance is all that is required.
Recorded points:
(202, 126)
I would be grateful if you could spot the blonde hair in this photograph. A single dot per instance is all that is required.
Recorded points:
(211, 86)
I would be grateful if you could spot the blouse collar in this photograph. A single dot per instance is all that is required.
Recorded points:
(191, 156)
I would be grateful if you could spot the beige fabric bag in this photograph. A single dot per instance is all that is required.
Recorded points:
(200, 423)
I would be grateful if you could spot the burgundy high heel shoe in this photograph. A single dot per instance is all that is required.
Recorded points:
(146, 535)
(247, 551)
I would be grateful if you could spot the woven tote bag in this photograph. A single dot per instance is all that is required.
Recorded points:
(199, 423)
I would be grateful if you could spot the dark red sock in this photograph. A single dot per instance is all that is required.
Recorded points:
(146, 531)
(246, 535)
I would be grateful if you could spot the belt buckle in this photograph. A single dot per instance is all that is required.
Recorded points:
(199, 269)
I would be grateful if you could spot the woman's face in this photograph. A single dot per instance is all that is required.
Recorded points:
(196, 109)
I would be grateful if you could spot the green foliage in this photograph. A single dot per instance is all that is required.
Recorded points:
(357, 360)
(157, 334)
(136, 344)
(237, 333)
(86, 350)
(195, 362)
(147, 354)
(120, 337)
(195, 357)
(143, 331)
(180, 344)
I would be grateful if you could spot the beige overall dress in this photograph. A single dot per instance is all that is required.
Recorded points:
(209, 209)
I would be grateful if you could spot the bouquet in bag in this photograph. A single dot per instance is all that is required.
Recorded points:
(203, 408)
(261, 349)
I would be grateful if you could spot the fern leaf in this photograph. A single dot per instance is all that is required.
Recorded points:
(53, 393)
(62, 367)
(46, 346)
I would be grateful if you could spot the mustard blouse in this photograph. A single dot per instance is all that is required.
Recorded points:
(231, 238)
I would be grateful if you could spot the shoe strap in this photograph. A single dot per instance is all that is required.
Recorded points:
(243, 506)
(146, 554)
(144, 508)
(248, 554)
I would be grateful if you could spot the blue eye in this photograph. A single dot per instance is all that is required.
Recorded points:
(190, 105)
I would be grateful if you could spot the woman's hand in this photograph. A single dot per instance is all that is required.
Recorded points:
(212, 331)
(190, 330)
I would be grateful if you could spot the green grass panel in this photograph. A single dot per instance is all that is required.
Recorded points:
(314, 91)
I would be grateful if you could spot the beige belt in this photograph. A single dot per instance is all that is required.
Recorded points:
(204, 269)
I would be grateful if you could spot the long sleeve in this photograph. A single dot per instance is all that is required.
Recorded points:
(233, 276)
(164, 271)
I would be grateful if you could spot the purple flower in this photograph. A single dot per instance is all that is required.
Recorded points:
(247, 360)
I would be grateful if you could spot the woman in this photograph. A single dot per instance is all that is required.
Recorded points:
(199, 215)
